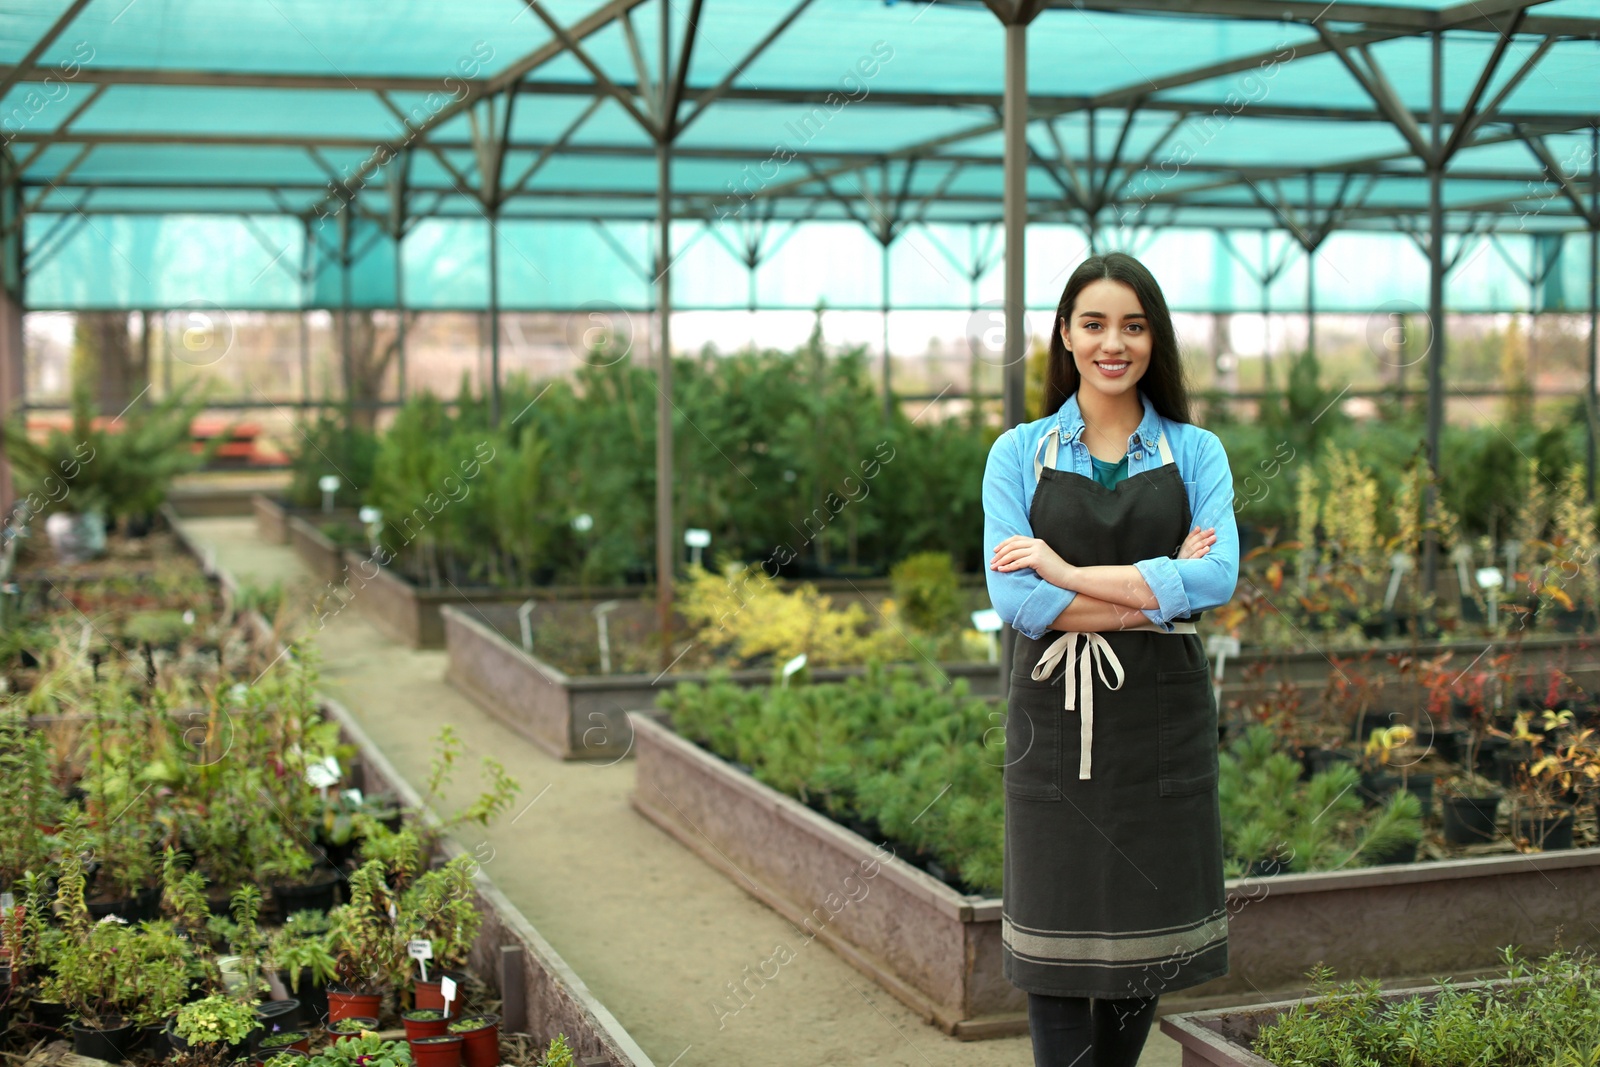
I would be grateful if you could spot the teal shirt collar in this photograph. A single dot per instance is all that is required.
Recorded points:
(1070, 421)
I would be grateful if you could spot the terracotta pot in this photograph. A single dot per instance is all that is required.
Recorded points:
(417, 1028)
(343, 1004)
(481, 1046)
(443, 1051)
(365, 1023)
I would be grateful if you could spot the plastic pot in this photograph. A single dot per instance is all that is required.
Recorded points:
(153, 1039)
(316, 896)
(1544, 830)
(301, 1042)
(1469, 820)
(49, 1014)
(343, 1004)
(442, 1051)
(351, 1026)
(313, 997)
(111, 1044)
(429, 994)
(425, 1022)
(1507, 762)
(279, 1015)
(480, 1045)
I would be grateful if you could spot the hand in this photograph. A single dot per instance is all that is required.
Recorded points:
(1198, 543)
(1016, 552)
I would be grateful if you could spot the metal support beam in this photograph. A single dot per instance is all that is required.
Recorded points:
(1015, 121)
(492, 219)
(666, 542)
(1594, 299)
(26, 65)
(1436, 332)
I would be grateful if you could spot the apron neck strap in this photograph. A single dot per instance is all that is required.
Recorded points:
(1051, 443)
(1166, 453)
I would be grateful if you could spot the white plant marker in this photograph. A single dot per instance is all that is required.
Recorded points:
(600, 613)
(792, 666)
(987, 622)
(421, 950)
(447, 986)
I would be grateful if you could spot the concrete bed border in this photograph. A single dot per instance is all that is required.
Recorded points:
(586, 717)
(510, 953)
(939, 951)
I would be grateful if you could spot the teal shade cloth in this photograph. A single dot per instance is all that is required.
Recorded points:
(1109, 474)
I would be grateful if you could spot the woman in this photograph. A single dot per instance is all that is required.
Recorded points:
(1111, 523)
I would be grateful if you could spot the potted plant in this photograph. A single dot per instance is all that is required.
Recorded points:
(480, 1036)
(368, 955)
(95, 965)
(297, 883)
(1469, 802)
(1393, 748)
(424, 1022)
(351, 1027)
(287, 1057)
(364, 1050)
(299, 1040)
(441, 908)
(299, 952)
(441, 1051)
(216, 1029)
(1543, 809)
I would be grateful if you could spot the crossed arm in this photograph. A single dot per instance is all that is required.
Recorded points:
(1108, 597)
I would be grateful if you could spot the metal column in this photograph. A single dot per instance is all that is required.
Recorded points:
(1594, 291)
(664, 529)
(494, 315)
(1430, 554)
(883, 270)
(1016, 222)
(307, 266)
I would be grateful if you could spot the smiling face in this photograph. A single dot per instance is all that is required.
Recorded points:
(1108, 337)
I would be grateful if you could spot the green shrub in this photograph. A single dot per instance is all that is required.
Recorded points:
(1547, 1015)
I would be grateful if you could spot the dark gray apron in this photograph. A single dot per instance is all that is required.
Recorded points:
(1113, 865)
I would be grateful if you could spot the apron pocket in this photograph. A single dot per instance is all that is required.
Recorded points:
(1187, 710)
(1033, 739)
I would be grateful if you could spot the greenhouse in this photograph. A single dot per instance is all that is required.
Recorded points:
(519, 520)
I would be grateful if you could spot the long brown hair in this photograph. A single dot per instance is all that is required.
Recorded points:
(1164, 381)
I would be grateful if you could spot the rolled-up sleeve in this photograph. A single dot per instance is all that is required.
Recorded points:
(1021, 597)
(1185, 586)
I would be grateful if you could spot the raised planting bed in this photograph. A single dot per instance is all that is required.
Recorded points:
(579, 717)
(1254, 675)
(411, 613)
(324, 557)
(938, 950)
(541, 995)
(1223, 1037)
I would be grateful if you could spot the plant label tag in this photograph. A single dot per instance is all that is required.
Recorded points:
(421, 949)
(986, 621)
(7, 902)
(447, 987)
(353, 796)
(792, 666)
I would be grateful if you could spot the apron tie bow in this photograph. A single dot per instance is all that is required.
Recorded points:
(1096, 654)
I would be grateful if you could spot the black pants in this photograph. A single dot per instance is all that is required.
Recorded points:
(1066, 1029)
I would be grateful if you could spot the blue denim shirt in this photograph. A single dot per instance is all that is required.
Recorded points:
(1181, 586)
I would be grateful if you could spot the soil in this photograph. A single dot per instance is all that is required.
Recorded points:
(655, 933)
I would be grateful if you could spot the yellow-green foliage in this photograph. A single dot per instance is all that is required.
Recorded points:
(928, 591)
(742, 612)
